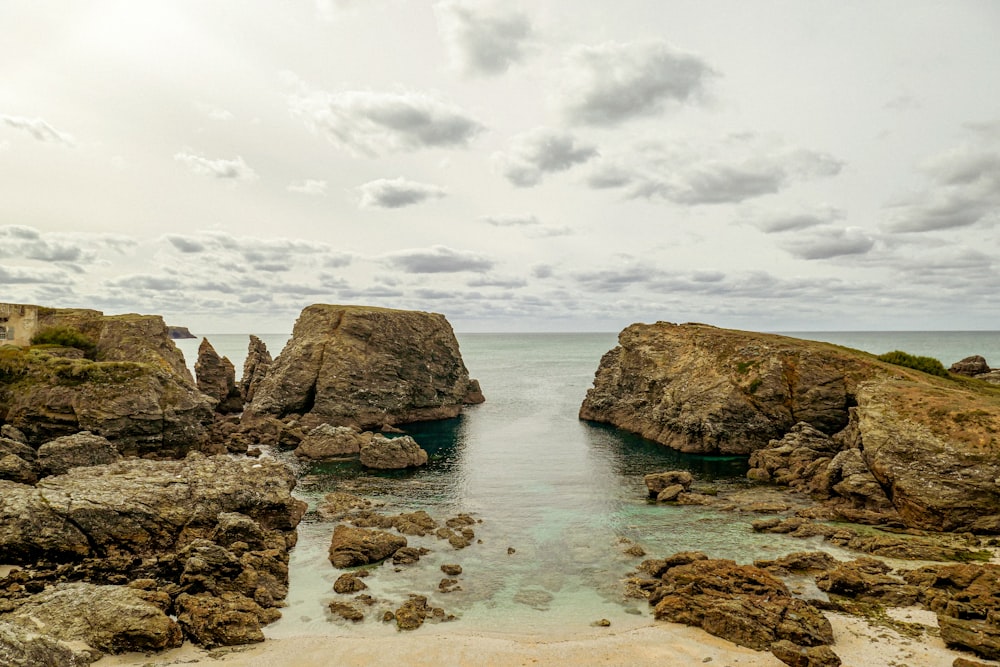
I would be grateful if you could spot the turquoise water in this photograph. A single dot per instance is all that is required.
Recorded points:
(563, 493)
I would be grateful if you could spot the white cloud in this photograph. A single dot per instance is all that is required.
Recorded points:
(542, 151)
(371, 123)
(308, 187)
(39, 129)
(614, 82)
(439, 259)
(397, 193)
(235, 169)
(776, 221)
(511, 220)
(484, 39)
(828, 243)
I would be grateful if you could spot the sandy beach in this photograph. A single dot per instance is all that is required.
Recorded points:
(858, 643)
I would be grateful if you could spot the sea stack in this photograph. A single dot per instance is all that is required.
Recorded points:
(366, 367)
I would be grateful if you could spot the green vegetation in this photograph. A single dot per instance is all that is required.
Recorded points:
(66, 337)
(928, 365)
(743, 366)
(755, 385)
(13, 365)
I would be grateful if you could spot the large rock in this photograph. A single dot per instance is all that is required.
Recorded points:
(254, 368)
(883, 442)
(366, 367)
(351, 546)
(112, 619)
(332, 442)
(59, 456)
(970, 366)
(140, 507)
(228, 620)
(384, 453)
(217, 378)
(21, 647)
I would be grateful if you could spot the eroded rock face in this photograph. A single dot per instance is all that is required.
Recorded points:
(217, 378)
(366, 367)
(332, 442)
(22, 647)
(881, 443)
(254, 368)
(970, 366)
(384, 453)
(59, 456)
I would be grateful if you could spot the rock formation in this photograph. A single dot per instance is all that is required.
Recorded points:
(360, 546)
(59, 456)
(177, 333)
(366, 367)
(976, 367)
(384, 453)
(327, 442)
(217, 378)
(254, 368)
(883, 442)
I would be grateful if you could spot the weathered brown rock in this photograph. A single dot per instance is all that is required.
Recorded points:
(982, 637)
(351, 546)
(970, 366)
(59, 456)
(804, 656)
(217, 378)
(112, 619)
(350, 582)
(22, 647)
(332, 442)
(384, 453)
(140, 507)
(229, 620)
(658, 481)
(16, 469)
(365, 367)
(254, 368)
(904, 447)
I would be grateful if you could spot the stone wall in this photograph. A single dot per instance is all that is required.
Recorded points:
(18, 323)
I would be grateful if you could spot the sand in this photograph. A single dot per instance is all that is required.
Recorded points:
(857, 642)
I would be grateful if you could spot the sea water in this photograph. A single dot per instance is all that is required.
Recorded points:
(559, 499)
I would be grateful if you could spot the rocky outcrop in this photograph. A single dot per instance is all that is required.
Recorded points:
(217, 378)
(885, 444)
(360, 546)
(24, 647)
(327, 442)
(178, 333)
(384, 453)
(970, 366)
(366, 367)
(59, 456)
(254, 368)
(144, 409)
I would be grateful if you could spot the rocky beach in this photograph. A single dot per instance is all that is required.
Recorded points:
(152, 516)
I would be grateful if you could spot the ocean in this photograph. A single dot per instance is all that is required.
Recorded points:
(565, 495)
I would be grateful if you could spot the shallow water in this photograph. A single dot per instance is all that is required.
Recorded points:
(566, 495)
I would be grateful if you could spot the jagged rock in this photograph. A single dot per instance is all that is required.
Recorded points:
(867, 579)
(350, 582)
(351, 546)
(228, 620)
(979, 636)
(140, 507)
(365, 366)
(332, 442)
(346, 611)
(16, 469)
(800, 561)
(112, 619)
(254, 368)
(59, 456)
(412, 614)
(408, 555)
(217, 378)
(9, 432)
(452, 570)
(970, 366)
(20, 647)
(658, 481)
(804, 656)
(178, 333)
(385, 453)
(336, 505)
(741, 603)
(904, 447)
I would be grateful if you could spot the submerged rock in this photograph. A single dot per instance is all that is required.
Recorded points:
(365, 367)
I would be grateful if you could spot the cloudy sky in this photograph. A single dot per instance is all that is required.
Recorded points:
(535, 165)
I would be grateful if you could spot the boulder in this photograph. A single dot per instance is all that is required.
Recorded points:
(59, 456)
(17, 469)
(229, 620)
(970, 366)
(254, 368)
(140, 507)
(804, 656)
(658, 481)
(351, 546)
(384, 453)
(332, 442)
(365, 367)
(217, 378)
(21, 647)
(111, 619)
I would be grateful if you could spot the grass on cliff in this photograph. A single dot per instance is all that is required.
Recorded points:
(29, 366)
(928, 365)
(66, 337)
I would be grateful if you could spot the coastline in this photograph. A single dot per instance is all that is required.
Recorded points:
(657, 643)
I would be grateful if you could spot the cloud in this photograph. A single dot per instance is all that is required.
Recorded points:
(740, 168)
(614, 82)
(439, 259)
(397, 193)
(824, 244)
(308, 187)
(483, 39)
(185, 244)
(964, 190)
(371, 123)
(235, 170)
(495, 281)
(148, 282)
(16, 275)
(17, 241)
(522, 220)
(541, 151)
(236, 255)
(39, 129)
(773, 222)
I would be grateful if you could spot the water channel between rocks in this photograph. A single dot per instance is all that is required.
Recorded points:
(566, 495)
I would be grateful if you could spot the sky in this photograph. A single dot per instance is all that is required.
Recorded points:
(545, 165)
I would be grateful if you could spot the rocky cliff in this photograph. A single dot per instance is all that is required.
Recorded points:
(873, 438)
(365, 367)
